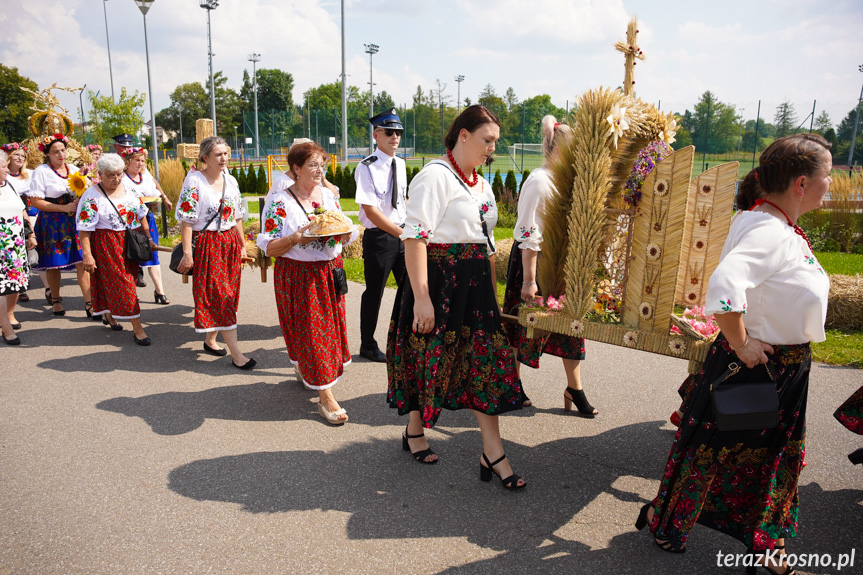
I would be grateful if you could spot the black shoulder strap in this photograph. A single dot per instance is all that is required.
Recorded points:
(221, 205)
(113, 205)
(299, 204)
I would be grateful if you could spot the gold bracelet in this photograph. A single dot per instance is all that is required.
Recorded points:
(745, 343)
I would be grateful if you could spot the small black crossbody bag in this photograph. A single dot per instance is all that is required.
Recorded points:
(744, 405)
(137, 246)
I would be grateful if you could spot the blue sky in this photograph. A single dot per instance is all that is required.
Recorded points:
(743, 51)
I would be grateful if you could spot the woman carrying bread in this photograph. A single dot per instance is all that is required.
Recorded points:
(311, 309)
(211, 219)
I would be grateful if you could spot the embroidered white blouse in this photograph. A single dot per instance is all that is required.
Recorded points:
(767, 272)
(374, 183)
(21, 187)
(442, 211)
(95, 211)
(147, 187)
(535, 191)
(283, 216)
(198, 202)
(45, 183)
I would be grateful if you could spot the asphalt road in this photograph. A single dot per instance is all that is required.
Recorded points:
(118, 459)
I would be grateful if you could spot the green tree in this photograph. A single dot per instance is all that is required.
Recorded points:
(714, 125)
(263, 184)
(510, 183)
(785, 119)
(489, 98)
(511, 99)
(228, 105)
(823, 123)
(524, 176)
(497, 184)
(14, 104)
(251, 180)
(189, 101)
(109, 118)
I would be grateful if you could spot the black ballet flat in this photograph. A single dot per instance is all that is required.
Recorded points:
(114, 326)
(13, 341)
(23, 297)
(145, 342)
(16, 326)
(246, 366)
(213, 351)
(418, 455)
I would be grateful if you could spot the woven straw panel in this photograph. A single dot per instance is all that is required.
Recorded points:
(656, 238)
(708, 217)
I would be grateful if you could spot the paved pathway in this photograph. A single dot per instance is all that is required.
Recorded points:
(117, 459)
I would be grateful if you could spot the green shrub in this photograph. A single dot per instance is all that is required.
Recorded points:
(263, 184)
(524, 176)
(510, 183)
(857, 249)
(251, 180)
(497, 184)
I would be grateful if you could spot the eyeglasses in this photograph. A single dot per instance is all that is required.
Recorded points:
(314, 166)
(390, 133)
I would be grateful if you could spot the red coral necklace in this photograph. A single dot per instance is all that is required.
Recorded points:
(797, 229)
(461, 173)
(66, 177)
(139, 181)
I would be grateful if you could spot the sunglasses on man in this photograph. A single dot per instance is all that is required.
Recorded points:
(389, 133)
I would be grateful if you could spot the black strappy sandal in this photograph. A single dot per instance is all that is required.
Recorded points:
(419, 455)
(510, 482)
(666, 545)
(48, 295)
(54, 301)
(577, 396)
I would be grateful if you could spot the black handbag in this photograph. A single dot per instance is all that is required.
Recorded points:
(340, 280)
(137, 246)
(744, 405)
(177, 253)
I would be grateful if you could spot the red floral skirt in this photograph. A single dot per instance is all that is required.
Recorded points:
(312, 318)
(850, 413)
(216, 280)
(466, 361)
(530, 349)
(112, 285)
(742, 483)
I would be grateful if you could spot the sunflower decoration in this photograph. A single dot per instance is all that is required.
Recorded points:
(78, 183)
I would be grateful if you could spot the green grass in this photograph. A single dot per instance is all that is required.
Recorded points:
(839, 263)
(349, 205)
(841, 348)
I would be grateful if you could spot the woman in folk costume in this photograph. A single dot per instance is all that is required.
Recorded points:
(744, 483)
(311, 310)
(210, 213)
(445, 348)
(521, 285)
(105, 212)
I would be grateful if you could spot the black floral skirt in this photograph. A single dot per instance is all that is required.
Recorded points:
(531, 349)
(466, 361)
(742, 483)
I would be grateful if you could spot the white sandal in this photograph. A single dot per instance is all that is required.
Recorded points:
(332, 418)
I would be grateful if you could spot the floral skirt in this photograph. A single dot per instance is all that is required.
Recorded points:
(466, 361)
(113, 283)
(313, 320)
(850, 413)
(14, 266)
(741, 483)
(531, 349)
(216, 280)
(57, 240)
(154, 235)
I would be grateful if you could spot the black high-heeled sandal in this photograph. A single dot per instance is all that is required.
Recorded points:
(418, 455)
(510, 482)
(665, 545)
(48, 295)
(161, 298)
(54, 301)
(88, 309)
(577, 396)
(114, 326)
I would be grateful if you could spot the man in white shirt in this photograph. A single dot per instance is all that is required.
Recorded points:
(381, 185)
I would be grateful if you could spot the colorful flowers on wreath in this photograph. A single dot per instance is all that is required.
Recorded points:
(12, 147)
(698, 320)
(646, 160)
(129, 152)
(48, 140)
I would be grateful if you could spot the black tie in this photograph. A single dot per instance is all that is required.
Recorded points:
(395, 186)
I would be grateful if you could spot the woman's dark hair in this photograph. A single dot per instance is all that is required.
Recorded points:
(470, 119)
(781, 163)
(299, 154)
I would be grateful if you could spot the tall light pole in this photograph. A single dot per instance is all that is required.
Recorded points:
(371, 50)
(108, 40)
(344, 96)
(254, 59)
(235, 140)
(180, 109)
(459, 79)
(856, 122)
(83, 119)
(209, 6)
(144, 6)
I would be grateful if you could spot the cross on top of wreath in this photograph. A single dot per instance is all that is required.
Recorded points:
(631, 51)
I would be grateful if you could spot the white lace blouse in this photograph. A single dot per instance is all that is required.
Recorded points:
(45, 183)
(283, 216)
(147, 187)
(440, 210)
(198, 202)
(535, 191)
(95, 211)
(768, 273)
